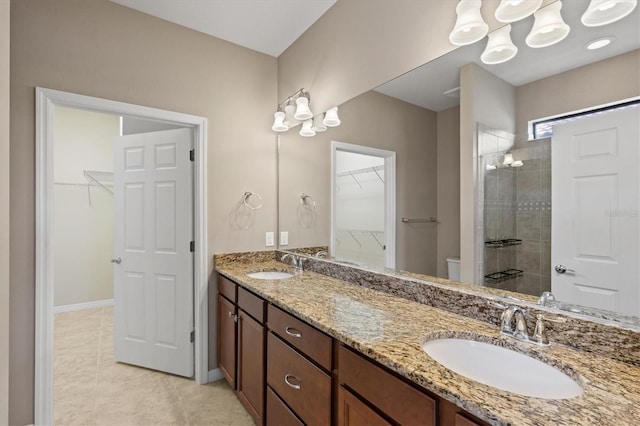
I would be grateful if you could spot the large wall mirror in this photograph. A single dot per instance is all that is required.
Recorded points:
(417, 116)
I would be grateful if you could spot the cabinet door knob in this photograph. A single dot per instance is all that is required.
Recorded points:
(292, 332)
(288, 382)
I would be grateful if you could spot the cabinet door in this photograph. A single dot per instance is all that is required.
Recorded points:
(353, 412)
(251, 365)
(227, 339)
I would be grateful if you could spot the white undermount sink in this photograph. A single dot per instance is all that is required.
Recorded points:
(502, 368)
(270, 275)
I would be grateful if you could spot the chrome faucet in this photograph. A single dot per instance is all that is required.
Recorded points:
(295, 261)
(514, 324)
(545, 298)
(517, 330)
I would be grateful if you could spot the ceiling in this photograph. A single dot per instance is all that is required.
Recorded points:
(268, 26)
(425, 85)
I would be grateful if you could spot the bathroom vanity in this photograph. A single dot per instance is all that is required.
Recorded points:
(327, 351)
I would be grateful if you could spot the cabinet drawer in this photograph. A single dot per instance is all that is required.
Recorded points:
(310, 341)
(399, 400)
(303, 386)
(227, 288)
(251, 304)
(278, 414)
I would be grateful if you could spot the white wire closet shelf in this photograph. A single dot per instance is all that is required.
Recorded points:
(101, 179)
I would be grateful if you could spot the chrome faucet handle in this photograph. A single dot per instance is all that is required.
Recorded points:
(540, 332)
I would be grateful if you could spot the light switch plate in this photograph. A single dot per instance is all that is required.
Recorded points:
(284, 238)
(269, 239)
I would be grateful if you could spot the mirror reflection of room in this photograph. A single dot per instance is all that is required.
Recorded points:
(359, 208)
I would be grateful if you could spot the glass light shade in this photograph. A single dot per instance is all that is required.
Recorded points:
(331, 118)
(515, 10)
(603, 12)
(303, 112)
(318, 125)
(508, 159)
(306, 130)
(499, 48)
(289, 110)
(517, 163)
(278, 122)
(470, 27)
(548, 28)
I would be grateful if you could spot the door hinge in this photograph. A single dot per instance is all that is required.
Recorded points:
(192, 338)
(192, 155)
(192, 246)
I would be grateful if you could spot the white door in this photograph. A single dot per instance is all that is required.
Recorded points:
(595, 199)
(153, 283)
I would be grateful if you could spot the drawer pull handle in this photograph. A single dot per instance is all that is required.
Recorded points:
(293, 385)
(292, 332)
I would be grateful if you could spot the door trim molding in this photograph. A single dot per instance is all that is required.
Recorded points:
(46, 100)
(390, 195)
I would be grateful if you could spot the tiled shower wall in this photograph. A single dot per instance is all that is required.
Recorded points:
(533, 216)
(516, 204)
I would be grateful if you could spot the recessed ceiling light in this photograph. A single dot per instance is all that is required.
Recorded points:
(600, 43)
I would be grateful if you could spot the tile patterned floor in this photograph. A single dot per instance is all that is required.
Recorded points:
(91, 388)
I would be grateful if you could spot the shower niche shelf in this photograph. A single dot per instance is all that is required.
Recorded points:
(498, 277)
(504, 242)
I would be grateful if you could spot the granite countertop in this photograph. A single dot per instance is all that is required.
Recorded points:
(390, 330)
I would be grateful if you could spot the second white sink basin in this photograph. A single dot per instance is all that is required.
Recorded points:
(502, 368)
(270, 275)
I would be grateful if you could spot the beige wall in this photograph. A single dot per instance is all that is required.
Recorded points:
(4, 211)
(484, 98)
(595, 84)
(101, 49)
(83, 216)
(377, 121)
(448, 165)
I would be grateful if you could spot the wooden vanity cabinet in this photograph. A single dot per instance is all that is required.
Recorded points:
(241, 345)
(299, 362)
(251, 351)
(227, 329)
(371, 394)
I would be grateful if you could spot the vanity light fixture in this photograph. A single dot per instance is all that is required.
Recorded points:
(306, 129)
(548, 28)
(318, 125)
(517, 163)
(603, 12)
(331, 118)
(303, 112)
(470, 27)
(295, 110)
(600, 42)
(499, 48)
(278, 122)
(508, 159)
(515, 10)
(289, 109)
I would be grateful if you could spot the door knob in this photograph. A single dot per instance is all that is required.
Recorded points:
(116, 260)
(561, 269)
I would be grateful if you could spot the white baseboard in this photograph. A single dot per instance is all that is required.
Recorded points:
(85, 305)
(215, 375)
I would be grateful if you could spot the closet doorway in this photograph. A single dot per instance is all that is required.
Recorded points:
(92, 222)
(363, 206)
